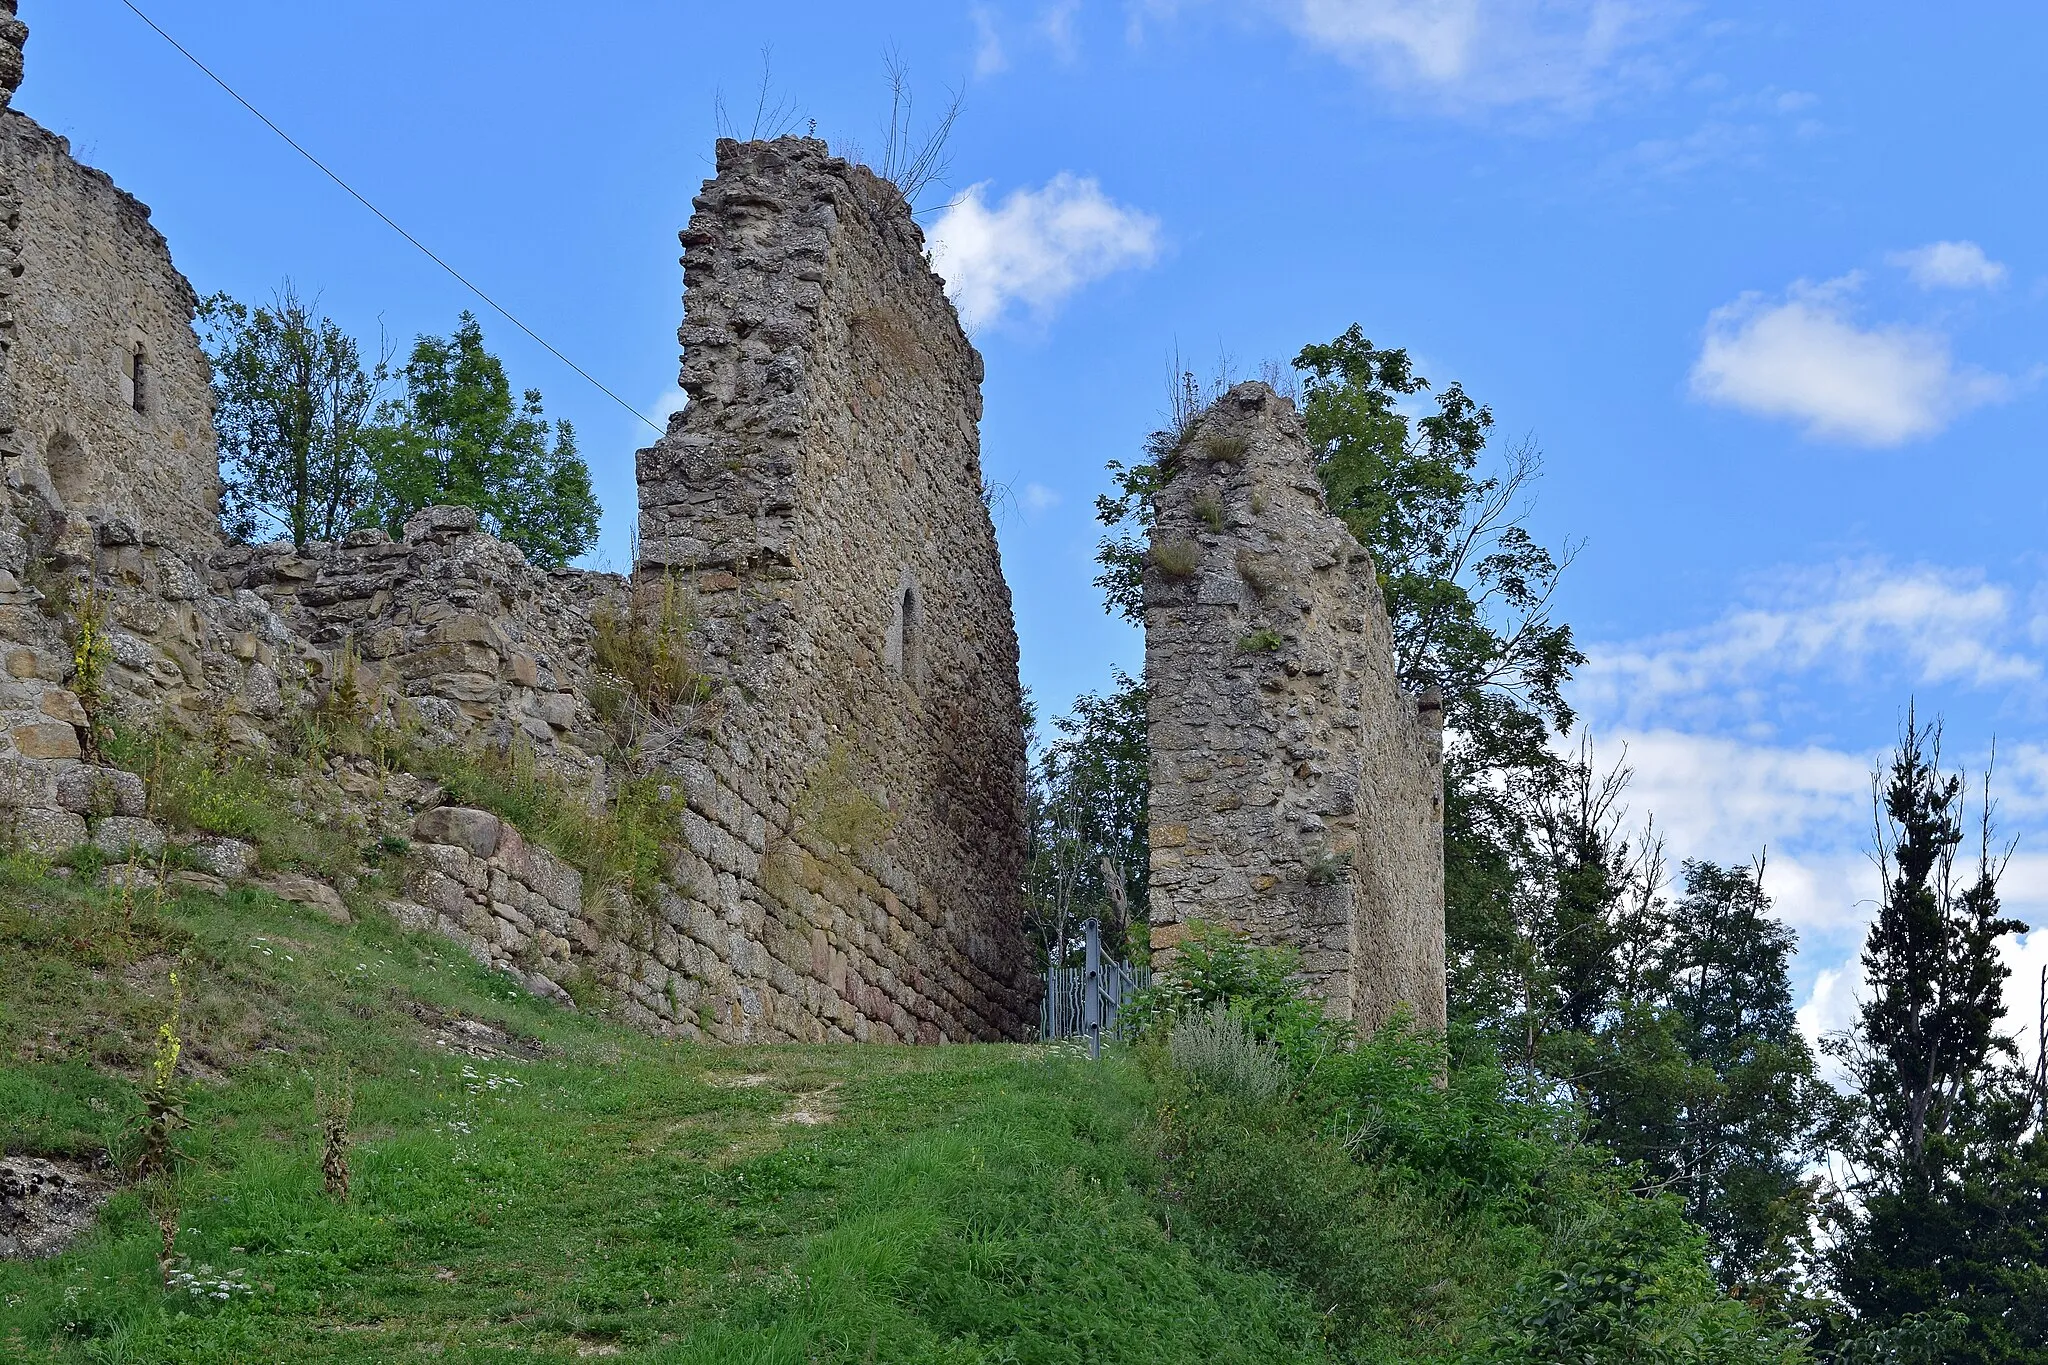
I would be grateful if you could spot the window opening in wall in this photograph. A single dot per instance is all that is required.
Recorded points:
(912, 636)
(903, 651)
(137, 390)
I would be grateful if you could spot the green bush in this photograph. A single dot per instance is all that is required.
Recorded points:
(1216, 1050)
(1218, 965)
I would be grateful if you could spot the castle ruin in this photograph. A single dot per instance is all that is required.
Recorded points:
(846, 777)
(1297, 791)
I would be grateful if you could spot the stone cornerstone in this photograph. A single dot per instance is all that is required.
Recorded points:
(1297, 791)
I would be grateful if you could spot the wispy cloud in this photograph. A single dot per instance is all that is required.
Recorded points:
(989, 56)
(1056, 24)
(1038, 498)
(1936, 625)
(1804, 357)
(1484, 52)
(1035, 248)
(1949, 265)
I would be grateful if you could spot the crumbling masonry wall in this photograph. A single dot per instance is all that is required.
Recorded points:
(1297, 791)
(105, 400)
(856, 787)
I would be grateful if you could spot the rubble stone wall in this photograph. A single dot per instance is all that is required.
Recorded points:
(1297, 791)
(468, 640)
(855, 838)
(91, 307)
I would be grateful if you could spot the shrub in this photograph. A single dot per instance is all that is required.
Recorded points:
(1217, 1050)
(1177, 558)
(1217, 965)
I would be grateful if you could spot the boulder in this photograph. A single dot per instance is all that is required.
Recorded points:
(476, 831)
(229, 859)
(124, 835)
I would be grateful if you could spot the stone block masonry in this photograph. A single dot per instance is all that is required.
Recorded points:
(856, 828)
(106, 404)
(1297, 791)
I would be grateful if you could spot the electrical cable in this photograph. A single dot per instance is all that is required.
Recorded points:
(389, 222)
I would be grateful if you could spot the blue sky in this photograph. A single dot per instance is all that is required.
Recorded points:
(1764, 281)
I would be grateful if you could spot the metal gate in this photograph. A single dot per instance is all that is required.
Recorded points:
(1088, 1001)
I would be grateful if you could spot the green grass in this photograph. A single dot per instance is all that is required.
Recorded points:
(590, 1191)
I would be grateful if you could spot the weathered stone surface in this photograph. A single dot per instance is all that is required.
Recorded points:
(820, 499)
(229, 859)
(46, 1205)
(1297, 791)
(93, 304)
(47, 831)
(309, 892)
(476, 832)
(46, 739)
(119, 836)
(91, 790)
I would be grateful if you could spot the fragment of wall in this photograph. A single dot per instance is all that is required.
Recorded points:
(856, 798)
(1296, 789)
(443, 629)
(105, 398)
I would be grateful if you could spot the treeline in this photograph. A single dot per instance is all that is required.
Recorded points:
(1899, 1215)
(317, 441)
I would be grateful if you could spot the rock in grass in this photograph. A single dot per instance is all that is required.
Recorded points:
(229, 859)
(304, 890)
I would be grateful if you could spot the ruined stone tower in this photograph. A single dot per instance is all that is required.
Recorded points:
(1297, 791)
(105, 403)
(856, 829)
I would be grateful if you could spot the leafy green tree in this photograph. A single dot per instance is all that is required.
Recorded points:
(1946, 1208)
(1090, 854)
(461, 437)
(293, 404)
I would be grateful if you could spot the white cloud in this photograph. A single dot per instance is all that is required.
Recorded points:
(1483, 52)
(1037, 247)
(1937, 625)
(1949, 265)
(1039, 498)
(665, 406)
(1805, 358)
(1056, 23)
(1728, 799)
(989, 57)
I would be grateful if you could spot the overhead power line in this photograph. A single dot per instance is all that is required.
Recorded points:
(389, 222)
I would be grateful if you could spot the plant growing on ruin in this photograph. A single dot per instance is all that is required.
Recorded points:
(648, 649)
(1263, 572)
(1264, 640)
(92, 652)
(1226, 447)
(1327, 867)
(1177, 558)
(835, 807)
(1208, 507)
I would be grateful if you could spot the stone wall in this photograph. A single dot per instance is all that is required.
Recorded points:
(443, 628)
(105, 396)
(856, 791)
(1297, 791)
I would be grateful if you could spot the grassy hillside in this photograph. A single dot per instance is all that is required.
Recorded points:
(544, 1184)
